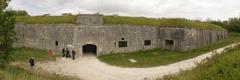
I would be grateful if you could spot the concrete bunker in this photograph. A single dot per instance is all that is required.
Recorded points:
(89, 49)
(115, 38)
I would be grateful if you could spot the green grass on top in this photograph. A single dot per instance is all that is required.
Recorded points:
(111, 20)
(46, 19)
(163, 22)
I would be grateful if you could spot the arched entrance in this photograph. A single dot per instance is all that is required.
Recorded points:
(89, 49)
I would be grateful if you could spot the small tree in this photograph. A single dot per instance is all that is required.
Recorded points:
(20, 13)
(7, 32)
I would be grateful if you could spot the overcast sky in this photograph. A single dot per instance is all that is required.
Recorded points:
(193, 9)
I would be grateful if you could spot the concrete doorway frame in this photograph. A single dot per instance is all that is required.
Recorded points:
(89, 49)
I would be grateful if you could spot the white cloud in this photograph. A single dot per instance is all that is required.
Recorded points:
(194, 9)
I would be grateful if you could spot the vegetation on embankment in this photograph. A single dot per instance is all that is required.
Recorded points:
(19, 69)
(46, 19)
(162, 22)
(158, 57)
(120, 20)
(19, 73)
(220, 67)
(232, 24)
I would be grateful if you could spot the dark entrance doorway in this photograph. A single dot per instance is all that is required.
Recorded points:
(89, 49)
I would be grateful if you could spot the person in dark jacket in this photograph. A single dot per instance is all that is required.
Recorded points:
(63, 52)
(73, 54)
(32, 62)
(67, 53)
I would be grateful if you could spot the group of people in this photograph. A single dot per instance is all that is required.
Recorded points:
(66, 53)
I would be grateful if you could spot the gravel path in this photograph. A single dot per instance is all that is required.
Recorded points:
(90, 68)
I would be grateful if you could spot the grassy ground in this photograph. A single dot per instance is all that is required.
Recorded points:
(157, 57)
(19, 68)
(109, 20)
(24, 54)
(19, 73)
(221, 67)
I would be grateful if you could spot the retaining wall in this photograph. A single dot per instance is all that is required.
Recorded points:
(107, 37)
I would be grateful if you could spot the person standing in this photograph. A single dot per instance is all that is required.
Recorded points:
(63, 52)
(73, 54)
(32, 63)
(50, 54)
(67, 53)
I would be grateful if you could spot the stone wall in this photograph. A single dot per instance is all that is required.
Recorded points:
(107, 38)
(90, 19)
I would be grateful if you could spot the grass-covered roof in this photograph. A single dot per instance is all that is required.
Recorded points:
(46, 19)
(112, 20)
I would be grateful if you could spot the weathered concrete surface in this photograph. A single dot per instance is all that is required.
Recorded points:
(90, 19)
(106, 38)
(90, 68)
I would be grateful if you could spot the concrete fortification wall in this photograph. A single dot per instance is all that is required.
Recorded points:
(90, 35)
(90, 19)
(115, 38)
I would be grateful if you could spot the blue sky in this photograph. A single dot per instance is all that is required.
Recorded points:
(193, 9)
